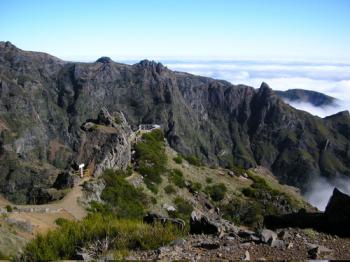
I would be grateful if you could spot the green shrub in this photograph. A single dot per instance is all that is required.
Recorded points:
(151, 158)
(121, 199)
(216, 192)
(193, 160)
(61, 221)
(183, 210)
(178, 159)
(9, 208)
(209, 180)
(64, 242)
(257, 193)
(169, 189)
(248, 213)
(195, 186)
(177, 178)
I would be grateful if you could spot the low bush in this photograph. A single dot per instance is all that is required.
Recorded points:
(239, 211)
(178, 159)
(208, 180)
(177, 178)
(169, 189)
(183, 210)
(193, 160)
(195, 186)
(121, 199)
(217, 192)
(9, 208)
(68, 239)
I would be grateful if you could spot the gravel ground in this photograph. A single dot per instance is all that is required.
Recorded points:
(296, 245)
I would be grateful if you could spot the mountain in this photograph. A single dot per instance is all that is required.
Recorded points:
(46, 103)
(307, 96)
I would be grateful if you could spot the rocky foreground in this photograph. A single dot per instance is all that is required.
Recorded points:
(219, 239)
(284, 244)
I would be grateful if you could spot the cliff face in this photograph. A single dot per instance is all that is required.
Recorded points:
(45, 103)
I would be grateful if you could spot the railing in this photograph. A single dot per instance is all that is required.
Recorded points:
(86, 172)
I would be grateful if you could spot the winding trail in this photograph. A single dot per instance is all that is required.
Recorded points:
(42, 217)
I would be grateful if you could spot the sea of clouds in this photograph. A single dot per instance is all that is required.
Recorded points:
(332, 79)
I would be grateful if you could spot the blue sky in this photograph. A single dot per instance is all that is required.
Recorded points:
(216, 29)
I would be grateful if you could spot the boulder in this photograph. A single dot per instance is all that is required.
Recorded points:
(152, 218)
(92, 191)
(338, 213)
(201, 224)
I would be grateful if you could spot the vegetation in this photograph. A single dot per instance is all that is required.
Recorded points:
(195, 186)
(178, 159)
(151, 158)
(169, 189)
(9, 208)
(122, 234)
(216, 192)
(121, 199)
(208, 180)
(193, 160)
(260, 200)
(177, 178)
(243, 212)
(183, 210)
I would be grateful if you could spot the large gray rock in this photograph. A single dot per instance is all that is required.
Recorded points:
(338, 213)
(210, 224)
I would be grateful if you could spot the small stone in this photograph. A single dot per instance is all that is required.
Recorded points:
(267, 236)
(245, 233)
(279, 244)
(178, 242)
(290, 245)
(209, 245)
(246, 256)
(284, 235)
(318, 252)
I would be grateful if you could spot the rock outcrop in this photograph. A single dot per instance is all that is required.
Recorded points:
(105, 143)
(338, 212)
(334, 220)
(46, 107)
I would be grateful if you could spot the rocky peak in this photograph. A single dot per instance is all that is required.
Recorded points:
(153, 65)
(342, 114)
(265, 89)
(7, 44)
(104, 60)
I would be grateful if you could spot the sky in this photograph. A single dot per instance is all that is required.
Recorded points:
(181, 29)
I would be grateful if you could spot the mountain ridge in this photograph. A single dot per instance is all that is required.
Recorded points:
(307, 96)
(45, 99)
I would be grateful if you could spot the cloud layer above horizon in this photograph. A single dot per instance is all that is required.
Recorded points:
(332, 79)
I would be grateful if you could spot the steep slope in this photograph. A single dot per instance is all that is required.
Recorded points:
(45, 101)
(307, 96)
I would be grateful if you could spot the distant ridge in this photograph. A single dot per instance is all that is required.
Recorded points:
(307, 96)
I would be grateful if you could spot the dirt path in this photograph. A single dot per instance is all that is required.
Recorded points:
(69, 203)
